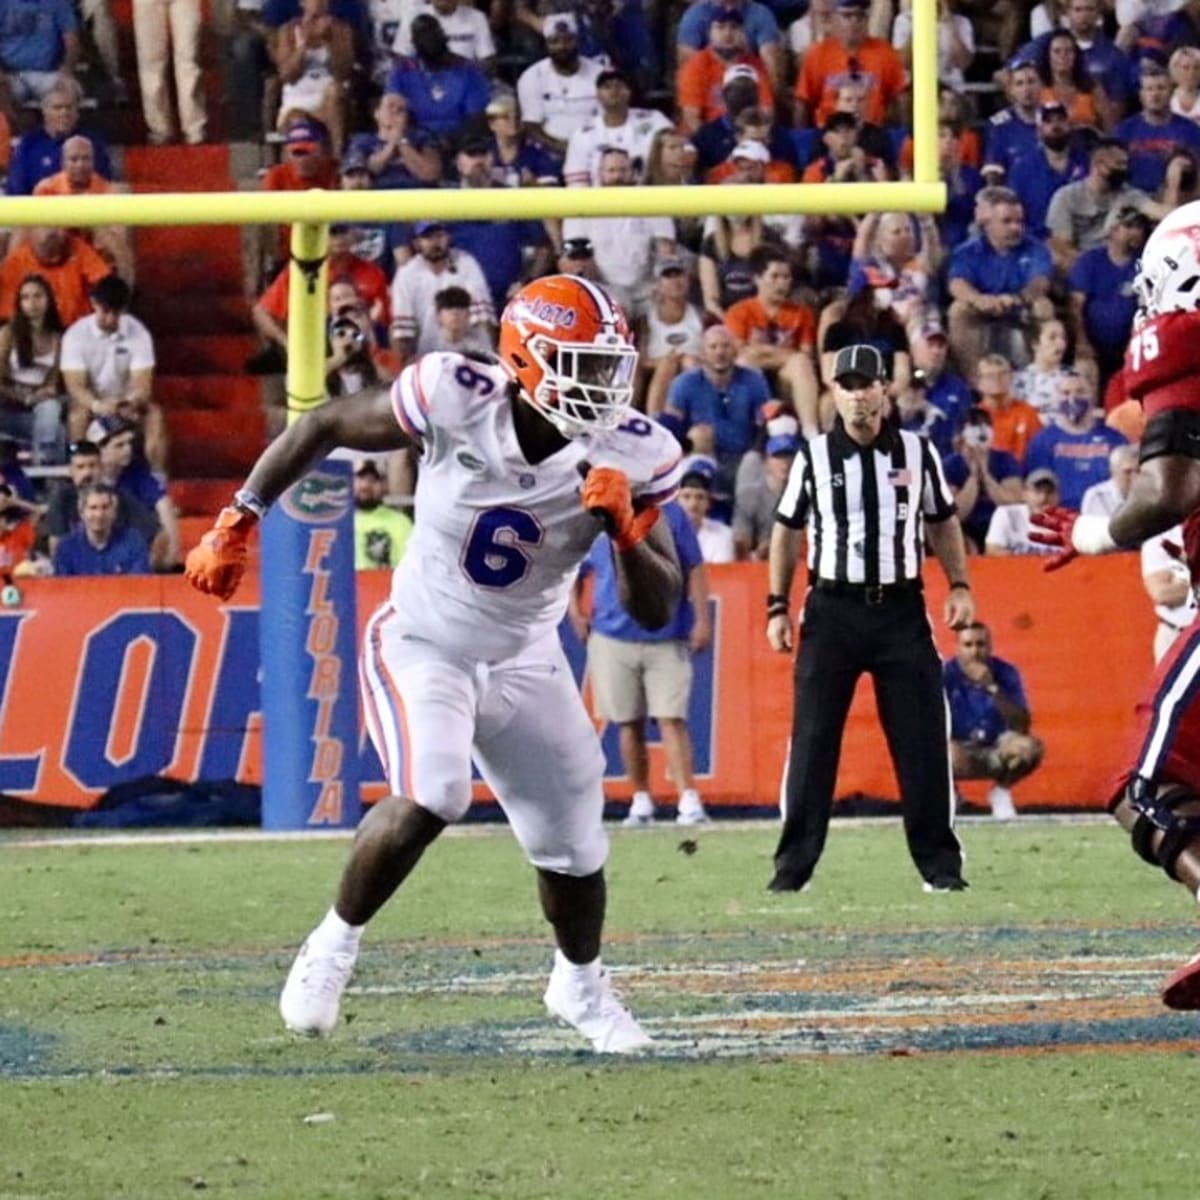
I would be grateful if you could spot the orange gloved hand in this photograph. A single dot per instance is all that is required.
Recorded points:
(606, 494)
(216, 565)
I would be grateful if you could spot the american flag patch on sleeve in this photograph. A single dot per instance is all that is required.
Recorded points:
(901, 478)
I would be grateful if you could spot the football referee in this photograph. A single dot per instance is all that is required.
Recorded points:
(866, 495)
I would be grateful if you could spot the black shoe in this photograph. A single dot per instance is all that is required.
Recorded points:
(946, 883)
(783, 882)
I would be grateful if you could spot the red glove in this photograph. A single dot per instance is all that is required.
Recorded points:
(1054, 527)
(216, 565)
(606, 494)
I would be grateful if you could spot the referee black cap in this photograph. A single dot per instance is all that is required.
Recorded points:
(862, 361)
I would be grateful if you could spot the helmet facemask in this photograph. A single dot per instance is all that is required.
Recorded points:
(586, 387)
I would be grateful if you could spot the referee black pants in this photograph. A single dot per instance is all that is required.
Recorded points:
(842, 636)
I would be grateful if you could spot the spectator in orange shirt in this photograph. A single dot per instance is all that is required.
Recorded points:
(307, 163)
(700, 80)
(849, 53)
(68, 264)
(844, 161)
(79, 177)
(1013, 421)
(1065, 80)
(754, 125)
(270, 313)
(778, 335)
(17, 537)
(951, 111)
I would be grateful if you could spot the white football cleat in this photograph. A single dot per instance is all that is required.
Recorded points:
(1000, 801)
(691, 811)
(312, 994)
(592, 1007)
(641, 811)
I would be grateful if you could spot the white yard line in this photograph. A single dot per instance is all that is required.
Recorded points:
(32, 840)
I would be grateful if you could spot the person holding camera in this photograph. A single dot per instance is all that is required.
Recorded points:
(350, 361)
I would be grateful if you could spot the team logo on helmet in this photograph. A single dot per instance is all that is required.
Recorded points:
(547, 312)
(568, 346)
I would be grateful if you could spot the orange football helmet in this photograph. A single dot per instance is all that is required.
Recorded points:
(568, 346)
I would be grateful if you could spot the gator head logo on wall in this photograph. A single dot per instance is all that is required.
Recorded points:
(318, 499)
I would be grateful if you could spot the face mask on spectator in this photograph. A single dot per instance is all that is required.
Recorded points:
(1075, 406)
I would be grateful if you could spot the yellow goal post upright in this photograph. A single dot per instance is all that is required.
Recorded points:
(309, 695)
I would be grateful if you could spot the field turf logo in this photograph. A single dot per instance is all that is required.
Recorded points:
(319, 498)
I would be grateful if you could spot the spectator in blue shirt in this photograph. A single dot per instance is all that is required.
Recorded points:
(38, 155)
(123, 466)
(1039, 173)
(398, 154)
(39, 45)
(1077, 445)
(382, 243)
(498, 246)
(962, 186)
(989, 719)
(98, 546)
(1101, 287)
(998, 280)
(719, 405)
(1153, 134)
(980, 476)
(1013, 130)
(517, 160)
(638, 673)
(443, 90)
(947, 398)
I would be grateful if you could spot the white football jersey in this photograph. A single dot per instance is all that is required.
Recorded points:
(635, 135)
(489, 566)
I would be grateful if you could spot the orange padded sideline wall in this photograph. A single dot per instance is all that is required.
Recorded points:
(107, 680)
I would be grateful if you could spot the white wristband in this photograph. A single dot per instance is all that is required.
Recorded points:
(1090, 535)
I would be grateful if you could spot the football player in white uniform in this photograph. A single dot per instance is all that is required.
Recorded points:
(522, 462)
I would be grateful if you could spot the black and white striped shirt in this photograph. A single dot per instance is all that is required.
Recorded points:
(865, 507)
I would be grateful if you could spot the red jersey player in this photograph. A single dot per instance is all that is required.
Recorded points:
(1157, 797)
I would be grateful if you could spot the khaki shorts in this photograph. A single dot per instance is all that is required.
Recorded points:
(632, 680)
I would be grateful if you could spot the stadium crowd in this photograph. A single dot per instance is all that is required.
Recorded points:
(1066, 130)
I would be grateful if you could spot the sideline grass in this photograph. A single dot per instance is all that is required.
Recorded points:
(141, 1056)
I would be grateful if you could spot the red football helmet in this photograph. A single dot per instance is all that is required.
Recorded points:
(568, 345)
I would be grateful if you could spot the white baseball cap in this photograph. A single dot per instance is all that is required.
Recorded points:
(755, 151)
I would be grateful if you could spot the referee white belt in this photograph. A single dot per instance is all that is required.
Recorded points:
(870, 593)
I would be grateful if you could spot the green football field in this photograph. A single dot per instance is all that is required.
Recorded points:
(862, 1039)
